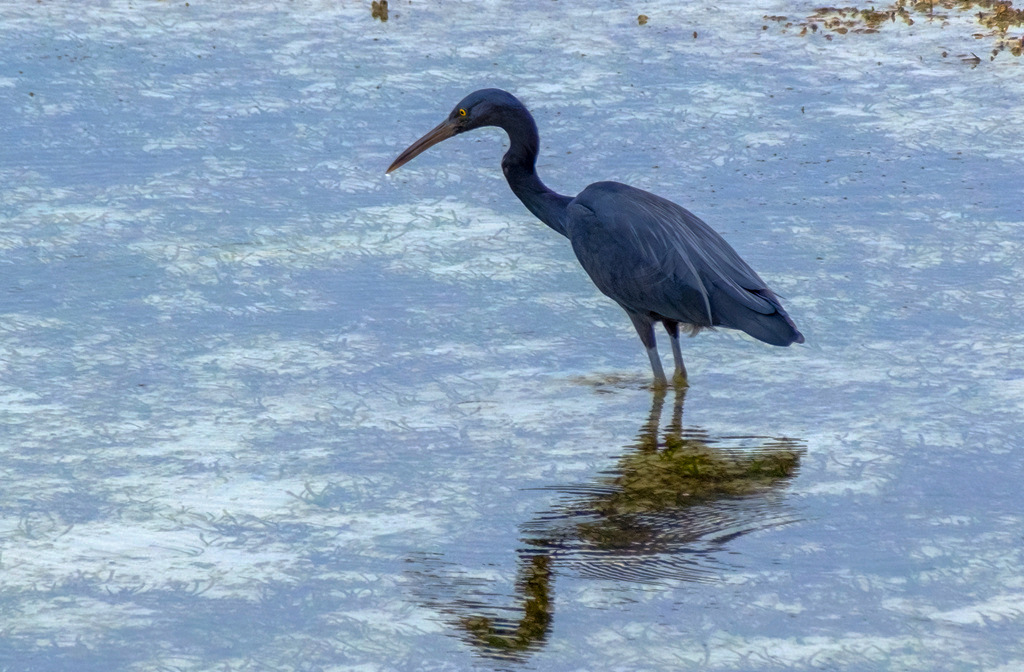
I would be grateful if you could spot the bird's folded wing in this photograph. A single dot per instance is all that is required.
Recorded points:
(648, 253)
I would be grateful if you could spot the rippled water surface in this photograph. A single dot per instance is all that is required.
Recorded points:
(264, 408)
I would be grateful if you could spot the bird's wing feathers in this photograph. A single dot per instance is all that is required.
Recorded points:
(649, 254)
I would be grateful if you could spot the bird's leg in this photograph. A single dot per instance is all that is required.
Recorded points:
(659, 373)
(672, 327)
(644, 325)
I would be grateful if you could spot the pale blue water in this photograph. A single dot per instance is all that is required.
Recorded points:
(265, 408)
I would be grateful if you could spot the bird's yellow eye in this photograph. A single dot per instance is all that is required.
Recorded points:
(462, 112)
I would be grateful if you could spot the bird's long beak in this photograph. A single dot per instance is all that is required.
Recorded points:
(444, 130)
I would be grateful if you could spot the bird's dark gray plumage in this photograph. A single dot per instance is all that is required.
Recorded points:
(657, 260)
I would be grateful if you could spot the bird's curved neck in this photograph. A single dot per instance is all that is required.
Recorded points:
(519, 166)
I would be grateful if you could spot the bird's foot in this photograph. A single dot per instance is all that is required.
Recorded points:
(680, 380)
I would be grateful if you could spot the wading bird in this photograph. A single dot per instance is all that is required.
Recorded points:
(657, 260)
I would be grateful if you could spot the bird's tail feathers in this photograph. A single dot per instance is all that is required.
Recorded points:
(774, 327)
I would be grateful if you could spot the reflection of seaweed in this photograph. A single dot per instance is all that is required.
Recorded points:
(665, 510)
(997, 16)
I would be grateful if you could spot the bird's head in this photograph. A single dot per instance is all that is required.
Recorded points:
(486, 107)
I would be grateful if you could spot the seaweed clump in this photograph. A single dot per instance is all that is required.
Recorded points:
(999, 20)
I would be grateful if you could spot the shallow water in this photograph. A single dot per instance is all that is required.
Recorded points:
(266, 408)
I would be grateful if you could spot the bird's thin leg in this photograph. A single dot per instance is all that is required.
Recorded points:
(672, 327)
(645, 328)
(659, 373)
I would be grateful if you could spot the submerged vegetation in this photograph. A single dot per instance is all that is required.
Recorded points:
(1000, 21)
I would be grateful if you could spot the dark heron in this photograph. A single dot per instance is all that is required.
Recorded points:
(657, 260)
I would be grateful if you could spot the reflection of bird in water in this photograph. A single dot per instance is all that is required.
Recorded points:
(667, 509)
(657, 260)
(670, 504)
